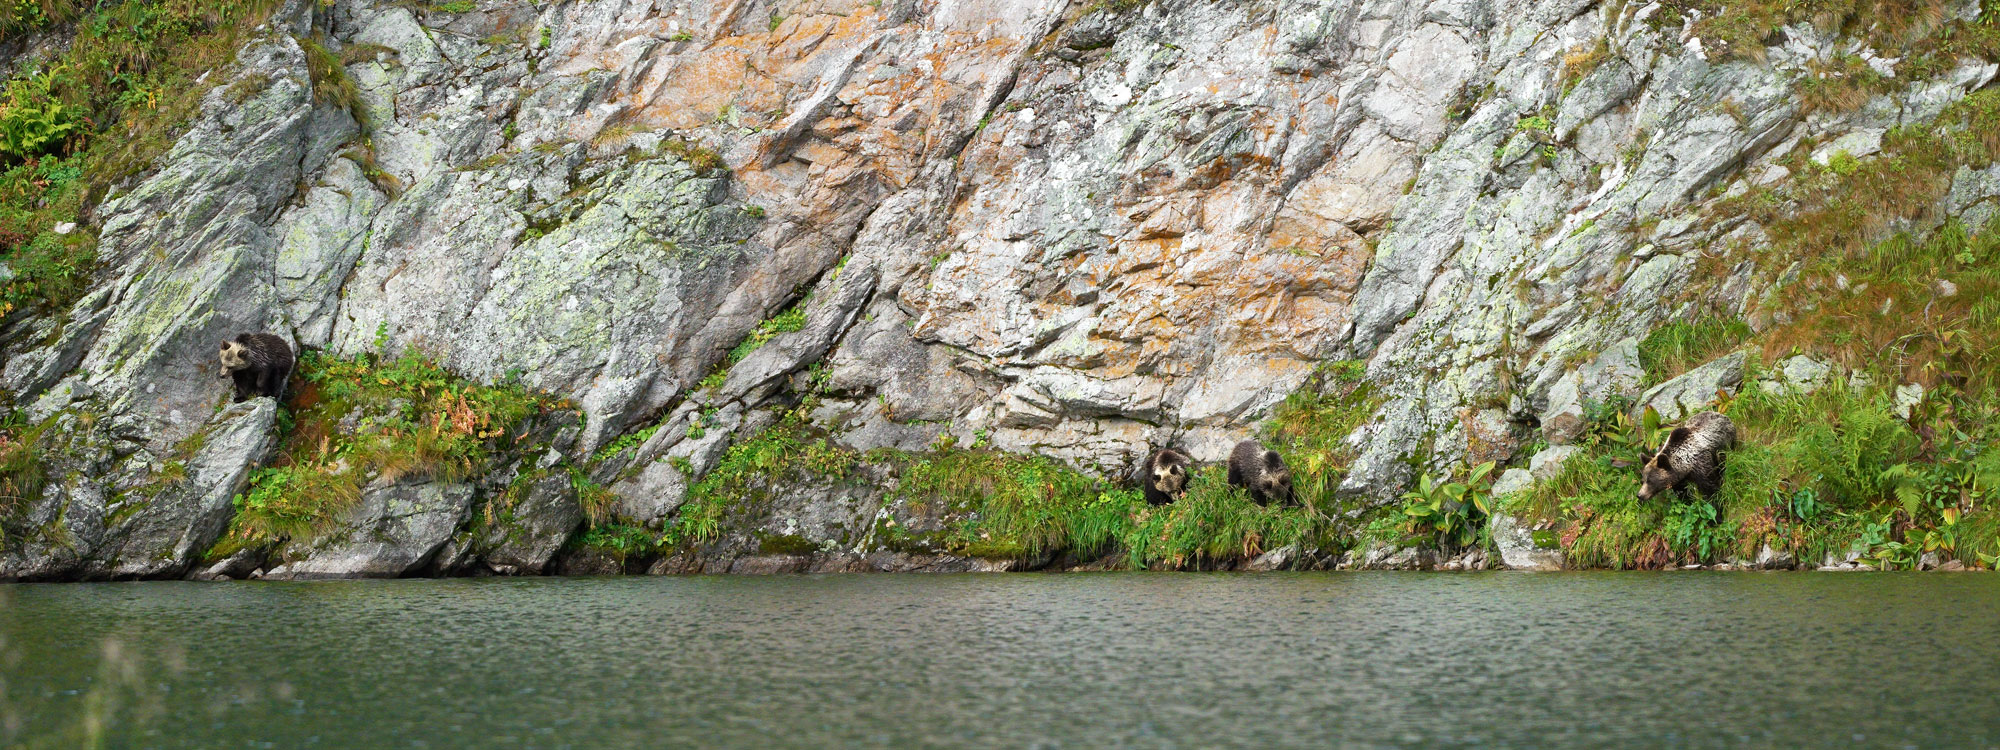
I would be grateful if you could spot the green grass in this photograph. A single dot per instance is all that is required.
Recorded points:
(793, 319)
(1839, 471)
(1013, 506)
(98, 111)
(330, 81)
(22, 473)
(1810, 474)
(1311, 426)
(788, 321)
(1677, 347)
(408, 417)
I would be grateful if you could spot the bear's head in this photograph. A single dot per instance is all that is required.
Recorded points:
(235, 356)
(1275, 481)
(1169, 474)
(1660, 474)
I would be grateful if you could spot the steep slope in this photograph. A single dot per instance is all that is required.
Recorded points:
(615, 285)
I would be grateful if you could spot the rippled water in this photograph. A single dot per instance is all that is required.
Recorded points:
(1078, 661)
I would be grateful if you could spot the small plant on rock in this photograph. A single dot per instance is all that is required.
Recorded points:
(1446, 515)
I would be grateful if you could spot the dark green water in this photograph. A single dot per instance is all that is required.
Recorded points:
(1073, 661)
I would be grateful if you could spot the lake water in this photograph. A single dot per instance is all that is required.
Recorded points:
(1127, 660)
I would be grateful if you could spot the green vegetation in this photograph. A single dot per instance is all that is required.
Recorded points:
(1002, 505)
(96, 112)
(21, 472)
(1842, 84)
(789, 321)
(1811, 475)
(738, 484)
(364, 418)
(792, 319)
(330, 81)
(1441, 515)
(704, 159)
(1677, 347)
(1013, 506)
(1923, 36)
(1841, 471)
(1310, 429)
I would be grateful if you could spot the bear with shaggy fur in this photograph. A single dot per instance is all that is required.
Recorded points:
(1165, 475)
(1262, 472)
(260, 363)
(1692, 456)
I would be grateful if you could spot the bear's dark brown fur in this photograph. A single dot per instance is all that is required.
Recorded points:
(1692, 456)
(260, 363)
(1262, 472)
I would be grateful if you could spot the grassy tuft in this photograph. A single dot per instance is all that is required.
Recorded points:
(362, 419)
(1677, 347)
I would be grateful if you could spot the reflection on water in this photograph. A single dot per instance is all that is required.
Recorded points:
(1081, 661)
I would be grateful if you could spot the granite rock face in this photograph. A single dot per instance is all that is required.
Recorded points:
(1067, 229)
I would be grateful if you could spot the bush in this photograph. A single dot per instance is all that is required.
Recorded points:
(33, 121)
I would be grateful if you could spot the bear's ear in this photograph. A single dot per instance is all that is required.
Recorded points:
(1662, 461)
(1674, 439)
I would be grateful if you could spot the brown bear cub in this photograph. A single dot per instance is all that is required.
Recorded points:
(1693, 455)
(1165, 476)
(260, 363)
(1262, 472)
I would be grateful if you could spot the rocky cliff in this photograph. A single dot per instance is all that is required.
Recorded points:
(766, 278)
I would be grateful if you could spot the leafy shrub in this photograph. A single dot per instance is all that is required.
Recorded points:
(21, 472)
(33, 121)
(1443, 514)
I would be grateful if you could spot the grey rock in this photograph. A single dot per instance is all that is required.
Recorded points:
(1549, 462)
(1612, 373)
(394, 531)
(1516, 545)
(1772, 559)
(1908, 396)
(99, 523)
(1694, 390)
(1512, 481)
(1281, 558)
(770, 564)
(1163, 228)
(1800, 373)
(525, 534)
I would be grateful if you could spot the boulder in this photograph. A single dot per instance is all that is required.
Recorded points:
(1516, 545)
(1695, 390)
(394, 531)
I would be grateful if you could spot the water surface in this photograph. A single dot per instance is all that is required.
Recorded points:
(1074, 661)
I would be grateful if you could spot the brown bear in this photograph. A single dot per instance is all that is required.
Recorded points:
(1262, 472)
(1693, 455)
(260, 363)
(1165, 475)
